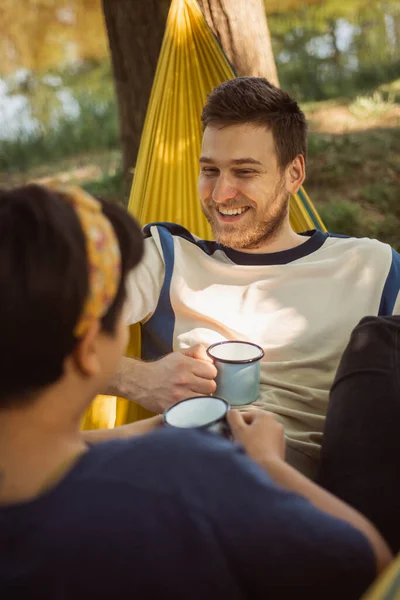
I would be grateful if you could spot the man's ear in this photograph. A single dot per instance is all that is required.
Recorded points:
(295, 174)
(85, 354)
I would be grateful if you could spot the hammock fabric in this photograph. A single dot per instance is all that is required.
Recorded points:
(190, 65)
(387, 586)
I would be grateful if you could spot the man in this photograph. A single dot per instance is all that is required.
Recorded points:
(296, 295)
(173, 513)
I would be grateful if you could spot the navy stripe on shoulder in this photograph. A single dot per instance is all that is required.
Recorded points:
(391, 288)
(158, 331)
(339, 235)
(209, 247)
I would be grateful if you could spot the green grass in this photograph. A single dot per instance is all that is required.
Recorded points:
(354, 179)
(111, 186)
(96, 128)
(341, 216)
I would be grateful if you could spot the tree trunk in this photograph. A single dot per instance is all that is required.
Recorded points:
(242, 29)
(135, 30)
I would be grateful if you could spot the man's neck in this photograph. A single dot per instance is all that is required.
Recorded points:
(286, 239)
(39, 441)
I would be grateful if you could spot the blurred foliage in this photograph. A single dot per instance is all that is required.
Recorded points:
(354, 179)
(112, 186)
(334, 48)
(92, 125)
(38, 35)
(283, 6)
(371, 106)
(57, 93)
(342, 216)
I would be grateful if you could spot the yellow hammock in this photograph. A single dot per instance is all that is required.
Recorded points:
(190, 65)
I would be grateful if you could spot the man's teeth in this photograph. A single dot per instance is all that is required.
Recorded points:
(232, 211)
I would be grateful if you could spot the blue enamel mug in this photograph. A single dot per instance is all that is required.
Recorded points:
(238, 367)
(200, 412)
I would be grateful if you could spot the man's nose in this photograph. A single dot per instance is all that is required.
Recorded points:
(223, 190)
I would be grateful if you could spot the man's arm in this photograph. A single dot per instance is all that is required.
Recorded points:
(263, 439)
(159, 384)
(96, 436)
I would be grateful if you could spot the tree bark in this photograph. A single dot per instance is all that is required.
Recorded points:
(135, 31)
(242, 29)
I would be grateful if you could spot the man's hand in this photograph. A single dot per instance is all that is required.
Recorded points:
(178, 376)
(259, 432)
(160, 384)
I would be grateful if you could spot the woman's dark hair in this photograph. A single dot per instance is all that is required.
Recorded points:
(44, 283)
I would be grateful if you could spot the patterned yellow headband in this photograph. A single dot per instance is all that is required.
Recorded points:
(103, 255)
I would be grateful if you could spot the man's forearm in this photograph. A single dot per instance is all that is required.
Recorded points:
(127, 380)
(286, 476)
(158, 384)
(130, 430)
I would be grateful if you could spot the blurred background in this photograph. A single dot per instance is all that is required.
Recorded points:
(339, 59)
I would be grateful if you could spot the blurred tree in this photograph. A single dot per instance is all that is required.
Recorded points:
(242, 29)
(135, 31)
(335, 48)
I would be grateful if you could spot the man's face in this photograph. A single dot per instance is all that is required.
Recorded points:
(241, 187)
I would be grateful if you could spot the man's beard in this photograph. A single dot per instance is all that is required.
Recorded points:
(252, 234)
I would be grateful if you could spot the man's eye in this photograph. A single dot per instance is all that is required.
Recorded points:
(244, 172)
(209, 171)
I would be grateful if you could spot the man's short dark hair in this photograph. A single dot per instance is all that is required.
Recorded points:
(256, 100)
(44, 283)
